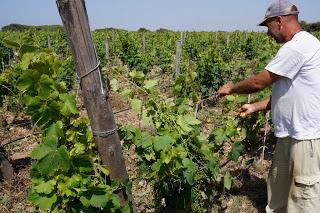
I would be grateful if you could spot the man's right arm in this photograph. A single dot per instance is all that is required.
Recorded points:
(247, 109)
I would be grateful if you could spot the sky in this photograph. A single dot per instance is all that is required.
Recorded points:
(178, 15)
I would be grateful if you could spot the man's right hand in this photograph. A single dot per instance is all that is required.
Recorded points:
(224, 90)
(247, 109)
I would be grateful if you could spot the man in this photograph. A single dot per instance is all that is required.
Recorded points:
(294, 73)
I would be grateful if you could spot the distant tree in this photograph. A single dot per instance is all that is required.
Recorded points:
(15, 27)
(143, 30)
(21, 27)
(310, 27)
(163, 30)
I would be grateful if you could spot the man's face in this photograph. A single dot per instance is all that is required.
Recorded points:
(274, 26)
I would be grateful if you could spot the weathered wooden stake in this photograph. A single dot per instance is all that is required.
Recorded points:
(2, 65)
(9, 56)
(181, 37)
(49, 41)
(106, 44)
(178, 46)
(228, 39)
(75, 22)
(144, 43)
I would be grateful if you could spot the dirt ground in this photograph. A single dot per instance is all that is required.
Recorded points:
(248, 193)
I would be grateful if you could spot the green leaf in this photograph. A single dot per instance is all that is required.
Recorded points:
(146, 140)
(85, 201)
(45, 187)
(136, 106)
(162, 142)
(189, 176)
(55, 129)
(44, 201)
(136, 75)
(54, 161)
(230, 98)
(99, 200)
(69, 104)
(149, 84)
(146, 120)
(44, 86)
(114, 85)
(26, 60)
(220, 136)
(227, 181)
(156, 166)
(184, 125)
(83, 163)
(236, 150)
(191, 120)
(126, 209)
(48, 145)
(27, 80)
(104, 170)
(165, 157)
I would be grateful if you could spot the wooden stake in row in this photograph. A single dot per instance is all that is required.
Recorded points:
(178, 47)
(49, 41)
(75, 23)
(144, 43)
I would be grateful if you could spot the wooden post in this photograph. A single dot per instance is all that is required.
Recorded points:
(49, 41)
(181, 37)
(6, 170)
(144, 43)
(113, 40)
(2, 64)
(228, 39)
(106, 44)
(9, 56)
(178, 46)
(75, 22)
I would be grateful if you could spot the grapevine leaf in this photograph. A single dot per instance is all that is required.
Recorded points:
(45, 187)
(149, 84)
(69, 104)
(43, 201)
(237, 148)
(44, 86)
(55, 129)
(165, 157)
(191, 120)
(136, 105)
(54, 161)
(220, 136)
(114, 85)
(184, 125)
(156, 166)
(25, 61)
(99, 199)
(103, 169)
(48, 145)
(230, 98)
(85, 201)
(227, 180)
(27, 80)
(83, 163)
(162, 142)
(146, 140)
(189, 176)
(136, 75)
(126, 209)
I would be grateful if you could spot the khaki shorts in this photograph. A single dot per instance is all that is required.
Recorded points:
(294, 177)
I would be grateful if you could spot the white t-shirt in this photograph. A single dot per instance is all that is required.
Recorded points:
(295, 104)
